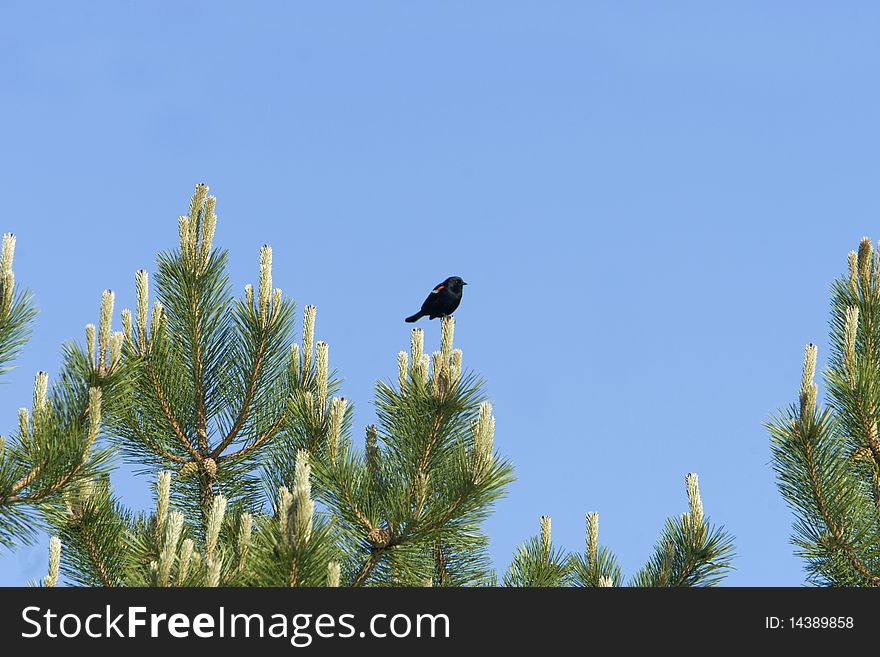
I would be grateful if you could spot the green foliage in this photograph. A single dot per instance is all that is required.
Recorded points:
(210, 394)
(16, 321)
(827, 460)
(597, 566)
(536, 563)
(94, 529)
(211, 379)
(258, 479)
(687, 557)
(54, 445)
(599, 571)
(417, 507)
(690, 552)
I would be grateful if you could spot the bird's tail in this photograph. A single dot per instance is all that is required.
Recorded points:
(416, 317)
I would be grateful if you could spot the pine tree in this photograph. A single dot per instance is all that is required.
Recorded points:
(827, 458)
(690, 552)
(55, 443)
(258, 480)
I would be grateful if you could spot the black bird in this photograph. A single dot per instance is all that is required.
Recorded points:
(442, 301)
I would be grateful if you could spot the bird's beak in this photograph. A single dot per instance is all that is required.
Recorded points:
(463, 283)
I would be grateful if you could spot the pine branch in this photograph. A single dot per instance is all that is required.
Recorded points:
(369, 564)
(827, 461)
(54, 447)
(245, 408)
(270, 433)
(169, 415)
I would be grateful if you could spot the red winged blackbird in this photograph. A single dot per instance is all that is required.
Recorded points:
(442, 301)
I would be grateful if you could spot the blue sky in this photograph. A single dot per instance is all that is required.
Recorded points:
(649, 201)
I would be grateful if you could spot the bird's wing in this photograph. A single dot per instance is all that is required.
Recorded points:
(429, 300)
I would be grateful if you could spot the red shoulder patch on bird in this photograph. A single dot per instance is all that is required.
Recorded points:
(438, 288)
